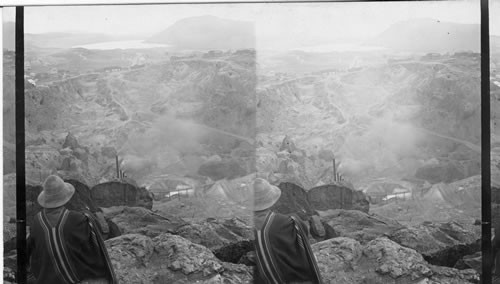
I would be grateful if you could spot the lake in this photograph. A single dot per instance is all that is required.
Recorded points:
(127, 44)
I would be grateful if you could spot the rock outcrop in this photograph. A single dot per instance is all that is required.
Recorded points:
(237, 253)
(440, 243)
(357, 225)
(336, 196)
(139, 220)
(217, 233)
(116, 193)
(345, 260)
(473, 261)
(169, 258)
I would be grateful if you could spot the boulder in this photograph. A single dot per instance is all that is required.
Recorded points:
(345, 260)
(169, 258)
(293, 199)
(317, 228)
(9, 268)
(287, 145)
(357, 225)
(115, 193)
(249, 259)
(235, 252)
(70, 142)
(337, 196)
(217, 233)
(139, 220)
(266, 161)
(473, 261)
(440, 243)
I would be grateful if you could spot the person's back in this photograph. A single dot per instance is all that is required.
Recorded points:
(282, 248)
(66, 246)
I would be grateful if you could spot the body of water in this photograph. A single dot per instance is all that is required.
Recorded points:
(127, 44)
(340, 48)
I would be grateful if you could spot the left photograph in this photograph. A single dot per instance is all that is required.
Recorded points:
(140, 129)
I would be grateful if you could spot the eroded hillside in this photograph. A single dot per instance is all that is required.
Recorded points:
(386, 119)
(173, 113)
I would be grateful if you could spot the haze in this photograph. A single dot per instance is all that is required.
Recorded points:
(277, 25)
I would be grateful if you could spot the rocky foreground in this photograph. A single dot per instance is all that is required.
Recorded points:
(367, 249)
(352, 245)
(168, 258)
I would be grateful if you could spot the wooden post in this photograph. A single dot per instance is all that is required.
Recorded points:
(117, 168)
(334, 171)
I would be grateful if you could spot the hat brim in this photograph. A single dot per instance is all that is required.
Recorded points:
(52, 202)
(274, 195)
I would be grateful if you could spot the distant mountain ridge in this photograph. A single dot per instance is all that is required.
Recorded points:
(68, 40)
(56, 39)
(429, 35)
(207, 32)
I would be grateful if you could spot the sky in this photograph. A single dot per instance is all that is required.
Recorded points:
(273, 21)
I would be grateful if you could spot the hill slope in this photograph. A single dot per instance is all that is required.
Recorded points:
(429, 35)
(207, 32)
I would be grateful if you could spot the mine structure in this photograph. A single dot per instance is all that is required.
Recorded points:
(120, 175)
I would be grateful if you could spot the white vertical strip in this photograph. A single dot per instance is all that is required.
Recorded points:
(1, 124)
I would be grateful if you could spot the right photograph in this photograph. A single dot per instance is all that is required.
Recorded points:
(368, 142)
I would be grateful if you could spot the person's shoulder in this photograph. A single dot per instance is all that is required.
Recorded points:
(76, 216)
(282, 218)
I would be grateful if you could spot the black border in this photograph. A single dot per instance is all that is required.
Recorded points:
(487, 259)
(20, 144)
(485, 128)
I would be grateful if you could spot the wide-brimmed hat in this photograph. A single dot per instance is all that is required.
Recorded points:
(55, 192)
(265, 194)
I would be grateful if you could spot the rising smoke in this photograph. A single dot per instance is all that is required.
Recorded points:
(161, 148)
(386, 145)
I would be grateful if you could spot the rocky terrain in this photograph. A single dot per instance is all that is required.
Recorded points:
(378, 153)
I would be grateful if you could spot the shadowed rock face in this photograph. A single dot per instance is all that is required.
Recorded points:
(357, 225)
(116, 194)
(217, 233)
(169, 258)
(293, 199)
(473, 261)
(235, 252)
(440, 243)
(334, 196)
(139, 220)
(345, 260)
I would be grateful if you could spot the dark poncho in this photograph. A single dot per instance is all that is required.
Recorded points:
(69, 252)
(283, 252)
